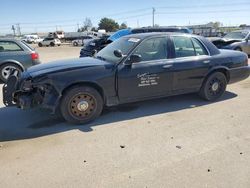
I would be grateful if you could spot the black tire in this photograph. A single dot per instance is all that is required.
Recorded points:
(238, 49)
(81, 104)
(75, 44)
(4, 70)
(52, 44)
(214, 86)
(40, 44)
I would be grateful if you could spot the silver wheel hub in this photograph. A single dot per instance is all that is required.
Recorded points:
(82, 106)
(6, 71)
(215, 86)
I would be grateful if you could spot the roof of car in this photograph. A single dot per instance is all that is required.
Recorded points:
(209, 45)
(8, 39)
(162, 27)
(146, 35)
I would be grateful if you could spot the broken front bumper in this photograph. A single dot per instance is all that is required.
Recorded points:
(24, 94)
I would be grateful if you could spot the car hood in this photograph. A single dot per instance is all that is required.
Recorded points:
(64, 65)
(225, 41)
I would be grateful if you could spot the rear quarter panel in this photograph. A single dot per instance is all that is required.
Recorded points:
(22, 57)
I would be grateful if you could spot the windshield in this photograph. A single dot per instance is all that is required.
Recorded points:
(123, 44)
(236, 35)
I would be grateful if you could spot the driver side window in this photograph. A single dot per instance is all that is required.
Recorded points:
(152, 49)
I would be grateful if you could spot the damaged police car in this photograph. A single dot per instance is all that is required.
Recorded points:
(134, 68)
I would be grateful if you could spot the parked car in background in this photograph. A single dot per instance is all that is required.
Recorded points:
(48, 41)
(133, 68)
(15, 54)
(27, 39)
(81, 41)
(237, 40)
(95, 46)
(31, 39)
(161, 29)
(37, 40)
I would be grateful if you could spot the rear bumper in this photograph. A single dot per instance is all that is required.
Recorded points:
(238, 74)
(36, 62)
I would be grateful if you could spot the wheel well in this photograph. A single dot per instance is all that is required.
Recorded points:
(10, 62)
(89, 84)
(238, 47)
(222, 70)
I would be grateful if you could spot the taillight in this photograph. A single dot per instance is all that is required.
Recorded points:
(34, 56)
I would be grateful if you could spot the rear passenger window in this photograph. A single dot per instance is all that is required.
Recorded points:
(183, 46)
(199, 48)
(8, 46)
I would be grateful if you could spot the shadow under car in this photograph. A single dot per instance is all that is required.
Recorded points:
(17, 124)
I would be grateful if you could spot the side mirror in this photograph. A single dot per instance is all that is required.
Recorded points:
(118, 53)
(135, 58)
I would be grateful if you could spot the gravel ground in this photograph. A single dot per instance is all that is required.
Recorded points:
(178, 141)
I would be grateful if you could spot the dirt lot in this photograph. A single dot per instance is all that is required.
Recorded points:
(178, 141)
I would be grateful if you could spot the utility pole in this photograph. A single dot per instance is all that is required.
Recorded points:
(14, 30)
(153, 16)
(18, 29)
(78, 28)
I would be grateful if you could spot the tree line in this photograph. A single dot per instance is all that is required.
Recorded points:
(110, 25)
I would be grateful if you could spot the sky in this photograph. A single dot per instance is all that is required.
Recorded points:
(49, 15)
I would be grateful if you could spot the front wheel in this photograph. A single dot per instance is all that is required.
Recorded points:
(81, 105)
(214, 86)
(5, 71)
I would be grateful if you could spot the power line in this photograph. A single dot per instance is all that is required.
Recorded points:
(202, 12)
(132, 11)
(79, 20)
(204, 5)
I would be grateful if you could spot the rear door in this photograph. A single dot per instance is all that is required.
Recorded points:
(149, 78)
(191, 62)
(9, 50)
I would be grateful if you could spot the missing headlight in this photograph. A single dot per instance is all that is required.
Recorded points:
(27, 86)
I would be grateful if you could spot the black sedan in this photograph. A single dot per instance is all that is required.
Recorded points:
(133, 68)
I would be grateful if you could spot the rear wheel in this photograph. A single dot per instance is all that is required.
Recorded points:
(40, 44)
(75, 44)
(5, 70)
(52, 44)
(81, 104)
(214, 86)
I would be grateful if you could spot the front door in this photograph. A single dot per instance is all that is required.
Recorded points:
(150, 77)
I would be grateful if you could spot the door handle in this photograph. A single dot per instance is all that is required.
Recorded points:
(206, 61)
(167, 66)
